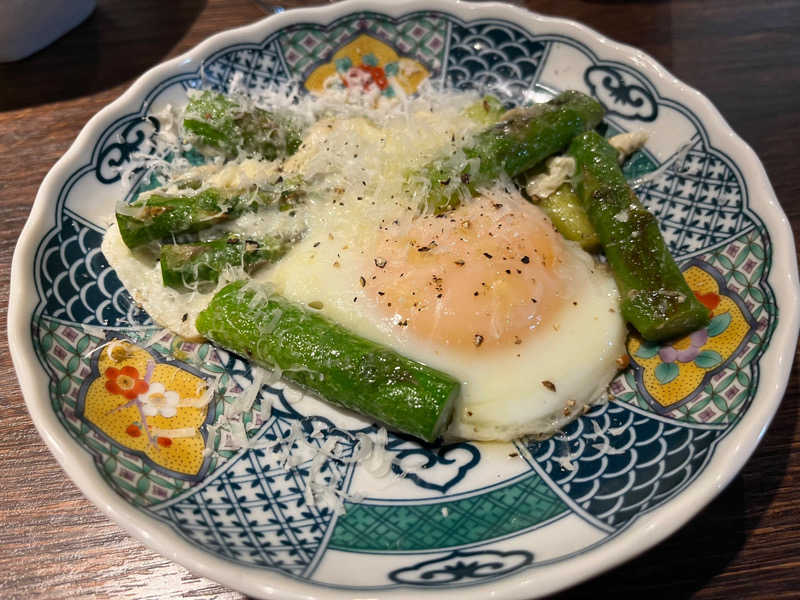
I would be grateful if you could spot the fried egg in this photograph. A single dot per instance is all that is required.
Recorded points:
(489, 292)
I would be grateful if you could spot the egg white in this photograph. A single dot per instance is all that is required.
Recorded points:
(355, 170)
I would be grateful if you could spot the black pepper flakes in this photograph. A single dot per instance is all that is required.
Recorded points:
(525, 260)
(362, 281)
(380, 262)
(185, 316)
(478, 340)
(549, 385)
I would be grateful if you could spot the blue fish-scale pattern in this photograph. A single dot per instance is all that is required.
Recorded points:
(254, 512)
(698, 201)
(500, 57)
(616, 463)
(77, 282)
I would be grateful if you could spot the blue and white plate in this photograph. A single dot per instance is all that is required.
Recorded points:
(519, 520)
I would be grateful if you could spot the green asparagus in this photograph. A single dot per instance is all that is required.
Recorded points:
(221, 122)
(160, 215)
(525, 137)
(656, 299)
(566, 212)
(323, 356)
(186, 265)
(487, 111)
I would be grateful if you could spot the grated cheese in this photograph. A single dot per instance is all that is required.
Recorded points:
(559, 170)
(627, 143)
(94, 330)
(182, 432)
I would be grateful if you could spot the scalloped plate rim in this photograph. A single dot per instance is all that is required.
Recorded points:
(642, 535)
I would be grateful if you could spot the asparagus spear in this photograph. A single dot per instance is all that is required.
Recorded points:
(486, 111)
(656, 299)
(320, 355)
(525, 137)
(566, 212)
(183, 265)
(222, 123)
(160, 215)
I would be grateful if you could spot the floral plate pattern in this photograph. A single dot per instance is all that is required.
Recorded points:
(125, 406)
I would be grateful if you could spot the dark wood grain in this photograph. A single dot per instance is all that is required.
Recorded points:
(743, 55)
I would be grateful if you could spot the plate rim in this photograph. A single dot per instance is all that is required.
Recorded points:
(650, 529)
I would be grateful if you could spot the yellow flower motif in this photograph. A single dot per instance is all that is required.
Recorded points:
(674, 371)
(367, 62)
(170, 403)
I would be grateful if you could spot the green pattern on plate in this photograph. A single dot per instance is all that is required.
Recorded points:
(422, 39)
(491, 515)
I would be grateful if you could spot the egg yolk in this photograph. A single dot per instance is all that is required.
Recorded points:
(483, 276)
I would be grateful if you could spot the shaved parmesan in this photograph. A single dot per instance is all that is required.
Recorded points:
(627, 143)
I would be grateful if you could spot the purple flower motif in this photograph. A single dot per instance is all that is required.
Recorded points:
(670, 354)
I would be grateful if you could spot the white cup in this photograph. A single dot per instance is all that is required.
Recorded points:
(29, 25)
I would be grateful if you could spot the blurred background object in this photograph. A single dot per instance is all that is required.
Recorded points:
(117, 42)
(29, 25)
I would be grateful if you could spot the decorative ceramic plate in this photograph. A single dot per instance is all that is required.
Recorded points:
(521, 521)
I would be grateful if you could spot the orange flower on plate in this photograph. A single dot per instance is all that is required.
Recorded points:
(125, 382)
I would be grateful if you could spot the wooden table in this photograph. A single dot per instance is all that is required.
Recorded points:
(744, 55)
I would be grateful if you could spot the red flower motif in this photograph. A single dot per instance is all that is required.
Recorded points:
(378, 76)
(710, 300)
(125, 382)
(365, 76)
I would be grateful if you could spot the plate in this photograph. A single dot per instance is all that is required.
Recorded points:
(518, 520)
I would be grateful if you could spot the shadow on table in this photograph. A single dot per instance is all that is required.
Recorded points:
(704, 547)
(118, 41)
